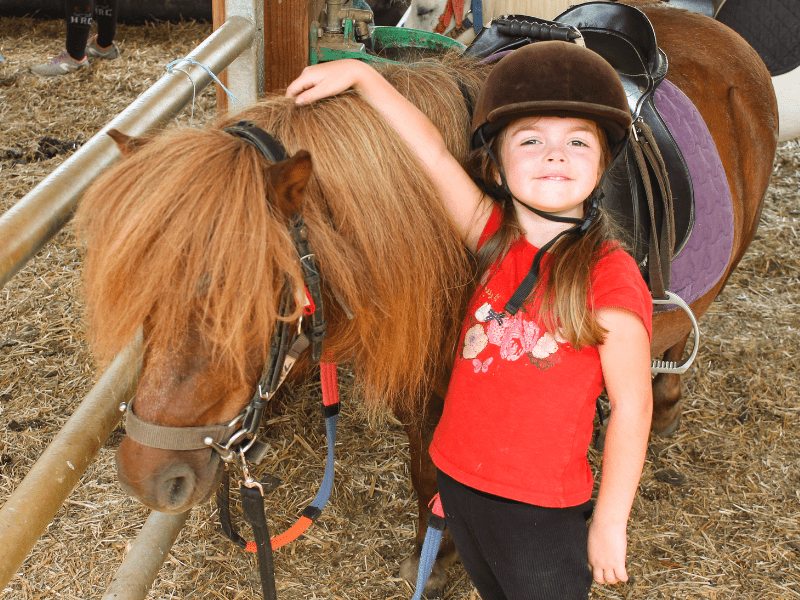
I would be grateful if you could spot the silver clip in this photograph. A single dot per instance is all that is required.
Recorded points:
(226, 454)
(248, 478)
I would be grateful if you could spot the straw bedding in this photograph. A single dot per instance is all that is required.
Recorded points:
(718, 513)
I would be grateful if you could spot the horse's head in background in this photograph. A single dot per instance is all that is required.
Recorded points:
(188, 238)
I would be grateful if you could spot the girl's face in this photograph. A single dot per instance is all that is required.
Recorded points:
(552, 163)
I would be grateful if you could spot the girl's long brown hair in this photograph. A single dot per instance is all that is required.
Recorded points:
(566, 291)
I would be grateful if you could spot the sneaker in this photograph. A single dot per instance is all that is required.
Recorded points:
(60, 65)
(95, 51)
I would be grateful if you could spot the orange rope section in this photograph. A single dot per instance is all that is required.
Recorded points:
(291, 534)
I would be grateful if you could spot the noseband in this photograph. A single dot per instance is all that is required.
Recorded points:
(237, 439)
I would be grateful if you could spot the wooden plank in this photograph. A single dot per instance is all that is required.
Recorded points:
(286, 27)
(218, 18)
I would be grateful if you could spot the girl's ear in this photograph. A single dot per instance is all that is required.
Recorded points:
(127, 144)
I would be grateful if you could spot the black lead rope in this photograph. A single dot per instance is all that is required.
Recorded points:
(253, 513)
(224, 506)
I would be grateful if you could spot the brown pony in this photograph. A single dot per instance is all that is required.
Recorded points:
(188, 237)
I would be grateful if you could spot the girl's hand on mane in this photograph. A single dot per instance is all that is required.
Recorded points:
(463, 200)
(327, 79)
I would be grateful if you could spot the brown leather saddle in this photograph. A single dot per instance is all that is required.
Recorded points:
(648, 189)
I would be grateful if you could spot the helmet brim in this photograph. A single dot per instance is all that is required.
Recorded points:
(615, 122)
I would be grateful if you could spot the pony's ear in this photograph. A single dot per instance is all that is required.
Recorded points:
(289, 179)
(127, 144)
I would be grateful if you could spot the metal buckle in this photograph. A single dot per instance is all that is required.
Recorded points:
(248, 480)
(227, 452)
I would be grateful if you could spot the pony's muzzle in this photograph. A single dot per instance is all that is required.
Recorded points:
(167, 481)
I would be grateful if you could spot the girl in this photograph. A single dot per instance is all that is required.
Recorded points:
(560, 312)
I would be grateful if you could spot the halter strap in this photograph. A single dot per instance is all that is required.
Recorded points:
(271, 148)
(174, 438)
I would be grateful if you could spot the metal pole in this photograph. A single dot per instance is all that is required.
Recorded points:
(31, 507)
(148, 552)
(246, 73)
(37, 217)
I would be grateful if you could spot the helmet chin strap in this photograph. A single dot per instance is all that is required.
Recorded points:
(579, 226)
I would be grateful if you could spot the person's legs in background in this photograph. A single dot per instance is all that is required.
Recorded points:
(79, 24)
(102, 45)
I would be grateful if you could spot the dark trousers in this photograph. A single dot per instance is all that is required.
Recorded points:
(79, 23)
(517, 551)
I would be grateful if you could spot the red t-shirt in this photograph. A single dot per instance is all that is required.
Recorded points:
(518, 416)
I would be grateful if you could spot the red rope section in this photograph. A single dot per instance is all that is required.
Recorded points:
(330, 386)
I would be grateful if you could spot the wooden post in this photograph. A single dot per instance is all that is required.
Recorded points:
(217, 19)
(286, 27)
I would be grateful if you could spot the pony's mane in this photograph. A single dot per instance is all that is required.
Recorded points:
(179, 234)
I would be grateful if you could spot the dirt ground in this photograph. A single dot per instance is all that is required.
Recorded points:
(717, 515)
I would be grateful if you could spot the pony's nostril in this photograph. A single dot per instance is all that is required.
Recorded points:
(176, 488)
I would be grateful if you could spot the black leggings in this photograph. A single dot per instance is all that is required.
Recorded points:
(79, 23)
(517, 551)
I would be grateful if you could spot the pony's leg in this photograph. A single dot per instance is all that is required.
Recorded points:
(419, 429)
(667, 393)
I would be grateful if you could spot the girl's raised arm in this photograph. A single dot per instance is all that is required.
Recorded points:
(468, 208)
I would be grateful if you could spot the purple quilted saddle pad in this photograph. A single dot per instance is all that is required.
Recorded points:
(701, 262)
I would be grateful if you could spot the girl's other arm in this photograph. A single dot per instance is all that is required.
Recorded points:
(625, 359)
(465, 203)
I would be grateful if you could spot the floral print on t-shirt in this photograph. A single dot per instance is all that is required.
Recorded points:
(516, 336)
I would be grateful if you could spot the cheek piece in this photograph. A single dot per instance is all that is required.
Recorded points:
(579, 226)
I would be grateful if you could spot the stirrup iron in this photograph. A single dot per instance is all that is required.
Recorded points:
(670, 366)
